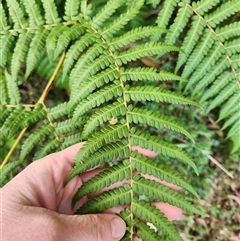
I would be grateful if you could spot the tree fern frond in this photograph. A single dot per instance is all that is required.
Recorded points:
(71, 10)
(53, 145)
(181, 20)
(87, 86)
(70, 34)
(105, 12)
(3, 91)
(12, 88)
(113, 110)
(232, 47)
(143, 116)
(219, 68)
(51, 14)
(143, 50)
(52, 40)
(71, 140)
(157, 94)
(223, 95)
(166, 12)
(98, 139)
(198, 53)
(228, 31)
(110, 152)
(158, 191)
(34, 13)
(34, 138)
(147, 165)
(155, 144)
(190, 40)
(58, 111)
(122, 20)
(110, 176)
(134, 35)
(223, 80)
(145, 232)
(4, 113)
(16, 13)
(75, 50)
(232, 105)
(6, 170)
(37, 47)
(204, 6)
(148, 74)
(20, 52)
(3, 19)
(7, 125)
(212, 57)
(6, 42)
(232, 120)
(114, 197)
(225, 10)
(234, 131)
(96, 99)
(146, 211)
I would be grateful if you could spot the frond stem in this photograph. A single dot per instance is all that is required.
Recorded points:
(5, 161)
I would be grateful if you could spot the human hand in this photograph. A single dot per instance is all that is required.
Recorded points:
(35, 205)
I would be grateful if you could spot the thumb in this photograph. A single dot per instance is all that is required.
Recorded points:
(92, 227)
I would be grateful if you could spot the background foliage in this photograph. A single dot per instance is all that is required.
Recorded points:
(207, 31)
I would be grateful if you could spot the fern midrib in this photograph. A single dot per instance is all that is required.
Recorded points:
(218, 39)
(127, 120)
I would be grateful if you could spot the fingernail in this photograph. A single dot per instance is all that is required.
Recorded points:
(118, 228)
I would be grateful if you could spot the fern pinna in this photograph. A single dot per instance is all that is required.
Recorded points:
(90, 48)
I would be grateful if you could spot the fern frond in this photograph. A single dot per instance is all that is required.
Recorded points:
(12, 88)
(71, 10)
(6, 42)
(157, 191)
(3, 19)
(134, 35)
(148, 74)
(37, 47)
(231, 106)
(157, 94)
(114, 197)
(143, 116)
(143, 50)
(75, 50)
(35, 138)
(98, 139)
(166, 12)
(122, 20)
(235, 118)
(52, 40)
(106, 11)
(3, 91)
(112, 175)
(145, 232)
(223, 95)
(34, 13)
(96, 99)
(146, 165)
(16, 13)
(71, 140)
(110, 152)
(181, 20)
(53, 145)
(155, 144)
(51, 14)
(104, 114)
(222, 12)
(58, 111)
(20, 52)
(228, 31)
(4, 113)
(149, 212)
(6, 170)
(204, 6)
